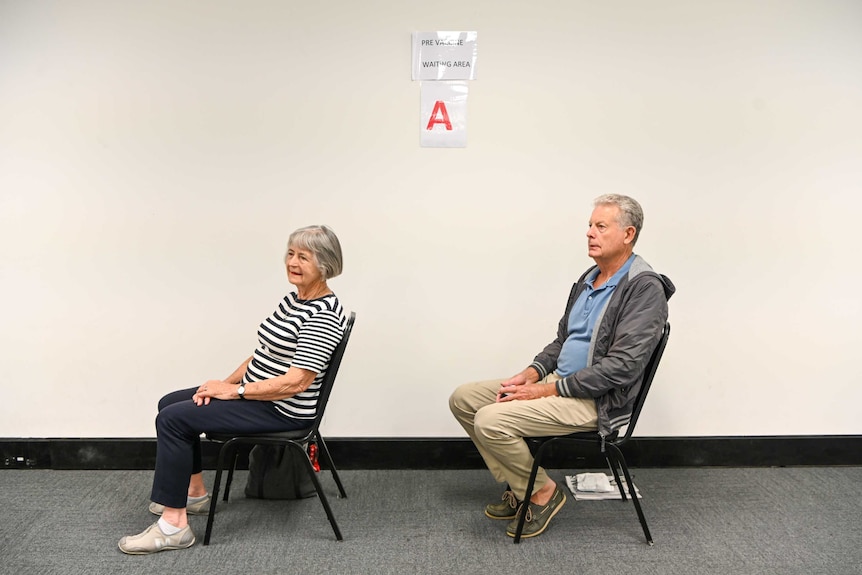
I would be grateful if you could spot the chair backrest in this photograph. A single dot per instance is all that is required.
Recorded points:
(646, 382)
(332, 371)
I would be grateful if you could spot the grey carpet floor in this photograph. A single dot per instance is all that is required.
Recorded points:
(756, 520)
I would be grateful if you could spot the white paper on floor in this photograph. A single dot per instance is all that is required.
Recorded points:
(594, 486)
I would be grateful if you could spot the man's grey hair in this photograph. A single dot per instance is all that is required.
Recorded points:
(631, 212)
(323, 243)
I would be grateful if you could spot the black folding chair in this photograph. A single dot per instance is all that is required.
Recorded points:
(610, 447)
(296, 440)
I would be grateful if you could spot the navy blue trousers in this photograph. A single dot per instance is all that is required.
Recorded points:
(179, 425)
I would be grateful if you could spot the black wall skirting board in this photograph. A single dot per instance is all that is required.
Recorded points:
(456, 453)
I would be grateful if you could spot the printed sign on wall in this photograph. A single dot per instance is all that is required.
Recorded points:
(444, 55)
(443, 117)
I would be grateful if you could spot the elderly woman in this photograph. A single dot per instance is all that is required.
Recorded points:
(275, 389)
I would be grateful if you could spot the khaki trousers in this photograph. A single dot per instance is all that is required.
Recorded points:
(498, 429)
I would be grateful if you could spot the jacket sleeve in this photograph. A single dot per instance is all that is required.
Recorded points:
(640, 320)
(546, 361)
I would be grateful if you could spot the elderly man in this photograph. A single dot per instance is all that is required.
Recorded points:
(584, 379)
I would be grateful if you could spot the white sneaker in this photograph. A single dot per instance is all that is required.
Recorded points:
(200, 508)
(153, 540)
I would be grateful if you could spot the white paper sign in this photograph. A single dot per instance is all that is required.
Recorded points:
(443, 115)
(444, 55)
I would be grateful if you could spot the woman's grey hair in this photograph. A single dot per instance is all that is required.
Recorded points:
(631, 213)
(323, 243)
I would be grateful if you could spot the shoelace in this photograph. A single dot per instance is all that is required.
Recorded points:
(509, 497)
(529, 516)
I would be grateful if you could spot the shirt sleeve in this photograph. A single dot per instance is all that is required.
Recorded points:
(318, 338)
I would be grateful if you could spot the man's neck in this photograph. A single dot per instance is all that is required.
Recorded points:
(608, 268)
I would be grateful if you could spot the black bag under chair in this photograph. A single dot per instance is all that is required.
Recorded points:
(276, 472)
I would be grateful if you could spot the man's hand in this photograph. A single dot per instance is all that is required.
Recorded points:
(509, 387)
(526, 391)
(520, 386)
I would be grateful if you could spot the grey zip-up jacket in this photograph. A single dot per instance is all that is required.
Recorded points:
(625, 335)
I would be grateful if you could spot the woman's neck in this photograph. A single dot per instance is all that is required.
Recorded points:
(313, 292)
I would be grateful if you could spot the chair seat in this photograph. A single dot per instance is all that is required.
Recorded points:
(581, 436)
(274, 435)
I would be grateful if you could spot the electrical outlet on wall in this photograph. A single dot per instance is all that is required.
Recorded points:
(16, 461)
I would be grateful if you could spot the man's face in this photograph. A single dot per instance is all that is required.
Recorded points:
(606, 239)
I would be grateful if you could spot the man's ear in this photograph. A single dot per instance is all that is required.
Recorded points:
(630, 235)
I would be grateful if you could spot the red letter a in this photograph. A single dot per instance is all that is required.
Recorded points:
(439, 107)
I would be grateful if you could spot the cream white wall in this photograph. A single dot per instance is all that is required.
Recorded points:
(154, 156)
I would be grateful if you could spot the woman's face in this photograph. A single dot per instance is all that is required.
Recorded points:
(302, 270)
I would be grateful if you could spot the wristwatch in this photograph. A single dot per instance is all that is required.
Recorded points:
(241, 391)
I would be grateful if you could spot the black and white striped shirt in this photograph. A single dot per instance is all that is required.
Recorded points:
(299, 333)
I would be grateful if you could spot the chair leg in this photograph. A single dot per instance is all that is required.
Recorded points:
(522, 510)
(229, 481)
(622, 461)
(612, 463)
(228, 450)
(320, 494)
(327, 459)
(214, 495)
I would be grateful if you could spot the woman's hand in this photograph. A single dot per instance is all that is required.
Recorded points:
(214, 389)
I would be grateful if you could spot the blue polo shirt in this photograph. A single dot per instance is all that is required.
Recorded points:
(582, 320)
